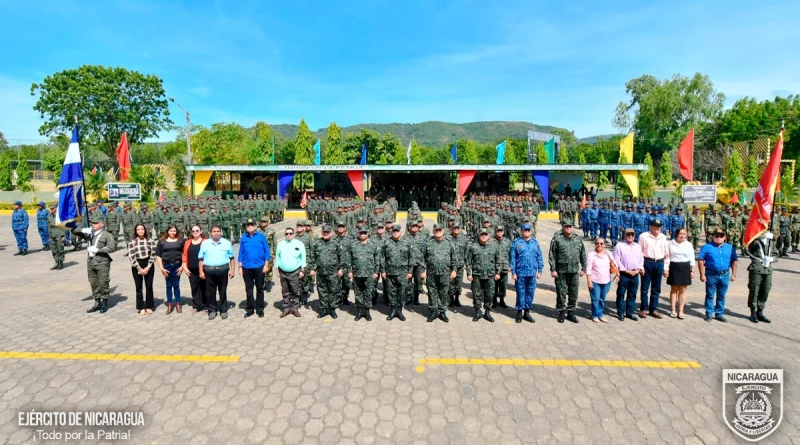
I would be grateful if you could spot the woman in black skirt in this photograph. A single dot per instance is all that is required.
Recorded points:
(191, 249)
(141, 252)
(681, 271)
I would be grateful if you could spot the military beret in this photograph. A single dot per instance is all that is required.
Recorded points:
(484, 231)
(455, 226)
(95, 219)
(326, 228)
(437, 227)
(395, 227)
(18, 203)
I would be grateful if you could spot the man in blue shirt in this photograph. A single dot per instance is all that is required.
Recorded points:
(718, 263)
(217, 265)
(526, 267)
(19, 224)
(253, 257)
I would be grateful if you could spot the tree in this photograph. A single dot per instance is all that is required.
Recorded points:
(223, 144)
(749, 120)
(334, 148)
(660, 113)
(260, 151)
(602, 177)
(24, 176)
(148, 176)
(304, 155)
(53, 161)
(107, 102)
(647, 184)
(179, 170)
(751, 179)
(665, 170)
(581, 161)
(96, 182)
(3, 142)
(734, 171)
(5, 172)
(389, 146)
(563, 155)
(541, 154)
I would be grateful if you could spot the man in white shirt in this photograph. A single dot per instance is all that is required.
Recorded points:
(655, 250)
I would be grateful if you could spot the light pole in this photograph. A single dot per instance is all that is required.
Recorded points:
(188, 139)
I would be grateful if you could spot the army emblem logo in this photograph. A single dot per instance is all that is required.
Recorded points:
(752, 401)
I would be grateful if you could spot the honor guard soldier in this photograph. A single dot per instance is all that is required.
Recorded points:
(56, 234)
(759, 280)
(101, 245)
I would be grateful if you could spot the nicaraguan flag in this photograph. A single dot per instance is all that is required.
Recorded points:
(501, 153)
(70, 185)
(364, 153)
(454, 153)
(317, 155)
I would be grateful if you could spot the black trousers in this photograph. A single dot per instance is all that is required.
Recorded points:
(290, 289)
(198, 286)
(254, 277)
(216, 281)
(144, 286)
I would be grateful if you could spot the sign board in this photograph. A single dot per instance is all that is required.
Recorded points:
(124, 191)
(700, 194)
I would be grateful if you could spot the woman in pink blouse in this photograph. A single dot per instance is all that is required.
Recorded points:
(598, 277)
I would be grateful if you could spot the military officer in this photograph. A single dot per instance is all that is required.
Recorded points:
(460, 245)
(326, 266)
(113, 218)
(503, 244)
(270, 234)
(439, 261)
(567, 263)
(364, 265)
(56, 234)
(396, 271)
(101, 245)
(483, 266)
(759, 280)
(19, 224)
(416, 244)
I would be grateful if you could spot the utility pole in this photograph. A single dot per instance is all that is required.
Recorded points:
(188, 140)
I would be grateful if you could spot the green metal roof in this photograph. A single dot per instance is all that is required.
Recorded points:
(417, 168)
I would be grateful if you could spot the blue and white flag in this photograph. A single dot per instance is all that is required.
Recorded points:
(408, 153)
(501, 153)
(454, 153)
(317, 153)
(70, 185)
(364, 153)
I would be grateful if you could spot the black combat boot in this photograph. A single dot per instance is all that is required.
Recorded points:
(54, 266)
(488, 316)
(269, 286)
(345, 301)
(571, 317)
(450, 302)
(25, 252)
(753, 316)
(761, 317)
(103, 306)
(45, 248)
(60, 265)
(322, 313)
(477, 316)
(494, 302)
(562, 316)
(503, 303)
(431, 317)
(392, 314)
(96, 306)
(400, 315)
(527, 317)
(443, 317)
(367, 316)
(456, 302)
(519, 317)
(333, 314)
(18, 253)
(359, 315)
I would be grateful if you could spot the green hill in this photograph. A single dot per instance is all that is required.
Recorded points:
(434, 133)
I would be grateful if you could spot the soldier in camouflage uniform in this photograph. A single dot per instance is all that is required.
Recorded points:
(146, 218)
(439, 261)
(327, 266)
(365, 264)
(57, 234)
(226, 222)
(269, 233)
(163, 220)
(695, 227)
(113, 218)
(483, 266)
(795, 226)
(305, 238)
(396, 271)
(378, 235)
(343, 239)
(504, 248)
(785, 224)
(460, 245)
(204, 221)
(416, 243)
(734, 229)
(567, 262)
(129, 221)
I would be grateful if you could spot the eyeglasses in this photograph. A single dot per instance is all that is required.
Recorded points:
(719, 235)
(630, 234)
(526, 230)
(288, 233)
(599, 244)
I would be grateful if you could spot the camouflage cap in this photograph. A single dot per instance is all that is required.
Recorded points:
(717, 230)
(484, 231)
(395, 227)
(54, 205)
(566, 222)
(437, 227)
(307, 222)
(340, 223)
(94, 219)
(499, 229)
(326, 228)
(455, 226)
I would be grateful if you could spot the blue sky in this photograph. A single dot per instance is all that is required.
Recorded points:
(551, 63)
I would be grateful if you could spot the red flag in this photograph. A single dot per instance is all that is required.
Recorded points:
(304, 201)
(686, 156)
(94, 170)
(357, 180)
(465, 177)
(764, 197)
(123, 157)
(160, 196)
(734, 198)
(583, 202)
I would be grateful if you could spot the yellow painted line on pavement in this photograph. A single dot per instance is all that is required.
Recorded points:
(118, 357)
(663, 364)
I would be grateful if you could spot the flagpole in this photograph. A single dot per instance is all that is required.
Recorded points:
(83, 177)
(772, 210)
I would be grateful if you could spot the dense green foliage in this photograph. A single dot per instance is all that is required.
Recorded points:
(602, 176)
(665, 170)
(5, 172)
(734, 171)
(96, 183)
(647, 183)
(751, 178)
(304, 155)
(24, 176)
(333, 151)
(106, 101)
(150, 179)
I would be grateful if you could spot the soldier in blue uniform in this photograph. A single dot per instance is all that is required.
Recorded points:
(593, 227)
(677, 221)
(603, 220)
(585, 225)
(615, 223)
(102, 208)
(41, 225)
(666, 227)
(19, 224)
(641, 221)
(627, 217)
(653, 215)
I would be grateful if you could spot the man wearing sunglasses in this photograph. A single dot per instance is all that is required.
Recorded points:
(290, 257)
(718, 264)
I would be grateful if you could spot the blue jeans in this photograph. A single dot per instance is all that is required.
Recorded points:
(716, 285)
(599, 292)
(525, 287)
(626, 294)
(653, 271)
(173, 283)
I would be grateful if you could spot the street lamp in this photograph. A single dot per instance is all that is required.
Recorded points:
(188, 132)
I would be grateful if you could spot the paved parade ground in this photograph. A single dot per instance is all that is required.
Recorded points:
(309, 380)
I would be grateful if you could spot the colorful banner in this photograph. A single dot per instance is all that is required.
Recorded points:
(357, 179)
(686, 156)
(465, 178)
(761, 215)
(201, 181)
(550, 149)
(632, 179)
(284, 181)
(542, 179)
(501, 153)
(626, 149)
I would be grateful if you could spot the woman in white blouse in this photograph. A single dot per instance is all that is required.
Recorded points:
(681, 271)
